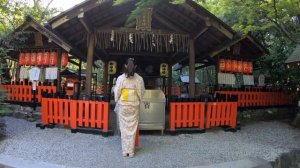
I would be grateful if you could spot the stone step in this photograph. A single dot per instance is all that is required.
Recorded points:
(244, 163)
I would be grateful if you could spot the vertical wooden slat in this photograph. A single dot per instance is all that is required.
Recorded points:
(67, 119)
(93, 111)
(87, 114)
(80, 113)
(51, 111)
(208, 115)
(61, 111)
(73, 113)
(172, 115)
(201, 115)
(55, 111)
(99, 114)
(106, 116)
(197, 114)
(213, 115)
(178, 115)
(191, 115)
(45, 111)
(185, 114)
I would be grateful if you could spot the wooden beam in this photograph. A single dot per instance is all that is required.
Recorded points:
(50, 36)
(84, 22)
(166, 23)
(138, 54)
(192, 69)
(90, 55)
(105, 76)
(175, 12)
(58, 65)
(174, 22)
(73, 62)
(201, 33)
(170, 80)
(202, 66)
(209, 20)
(223, 47)
(264, 51)
(74, 12)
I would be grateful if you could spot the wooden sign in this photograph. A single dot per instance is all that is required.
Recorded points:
(144, 21)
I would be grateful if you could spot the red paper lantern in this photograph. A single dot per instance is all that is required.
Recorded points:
(33, 58)
(39, 58)
(53, 58)
(250, 67)
(46, 59)
(240, 66)
(64, 59)
(245, 67)
(22, 58)
(234, 66)
(221, 65)
(228, 65)
(27, 58)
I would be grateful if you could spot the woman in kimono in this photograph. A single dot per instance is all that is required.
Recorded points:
(128, 92)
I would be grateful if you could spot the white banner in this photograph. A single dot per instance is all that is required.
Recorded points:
(248, 80)
(226, 78)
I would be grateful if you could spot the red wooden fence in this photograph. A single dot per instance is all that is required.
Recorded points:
(256, 99)
(194, 114)
(221, 114)
(23, 93)
(75, 113)
(186, 114)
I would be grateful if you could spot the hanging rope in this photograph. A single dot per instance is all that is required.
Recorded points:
(138, 41)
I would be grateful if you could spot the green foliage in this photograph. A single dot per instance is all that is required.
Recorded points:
(275, 23)
(140, 8)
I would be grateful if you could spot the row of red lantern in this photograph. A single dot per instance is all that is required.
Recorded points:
(42, 59)
(228, 65)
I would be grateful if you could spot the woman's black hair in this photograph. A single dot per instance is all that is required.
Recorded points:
(130, 67)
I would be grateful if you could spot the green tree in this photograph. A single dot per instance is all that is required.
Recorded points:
(275, 23)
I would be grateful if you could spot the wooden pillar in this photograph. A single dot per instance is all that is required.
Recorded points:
(169, 81)
(58, 65)
(79, 77)
(89, 67)
(191, 69)
(105, 76)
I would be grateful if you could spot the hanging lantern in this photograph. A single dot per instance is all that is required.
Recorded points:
(46, 58)
(228, 65)
(250, 67)
(222, 65)
(53, 58)
(234, 66)
(39, 58)
(240, 66)
(245, 67)
(64, 59)
(22, 58)
(33, 58)
(27, 58)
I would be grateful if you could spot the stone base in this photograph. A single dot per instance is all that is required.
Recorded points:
(266, 114)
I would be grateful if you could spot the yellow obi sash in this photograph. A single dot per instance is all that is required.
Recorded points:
(129, 95)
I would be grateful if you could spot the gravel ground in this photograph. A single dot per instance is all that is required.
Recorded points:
(265, 140)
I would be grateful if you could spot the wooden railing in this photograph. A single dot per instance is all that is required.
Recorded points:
(24, 93)
(259, 99)
(75, 113)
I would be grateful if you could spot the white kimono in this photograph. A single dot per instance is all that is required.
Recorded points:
(128, 94)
